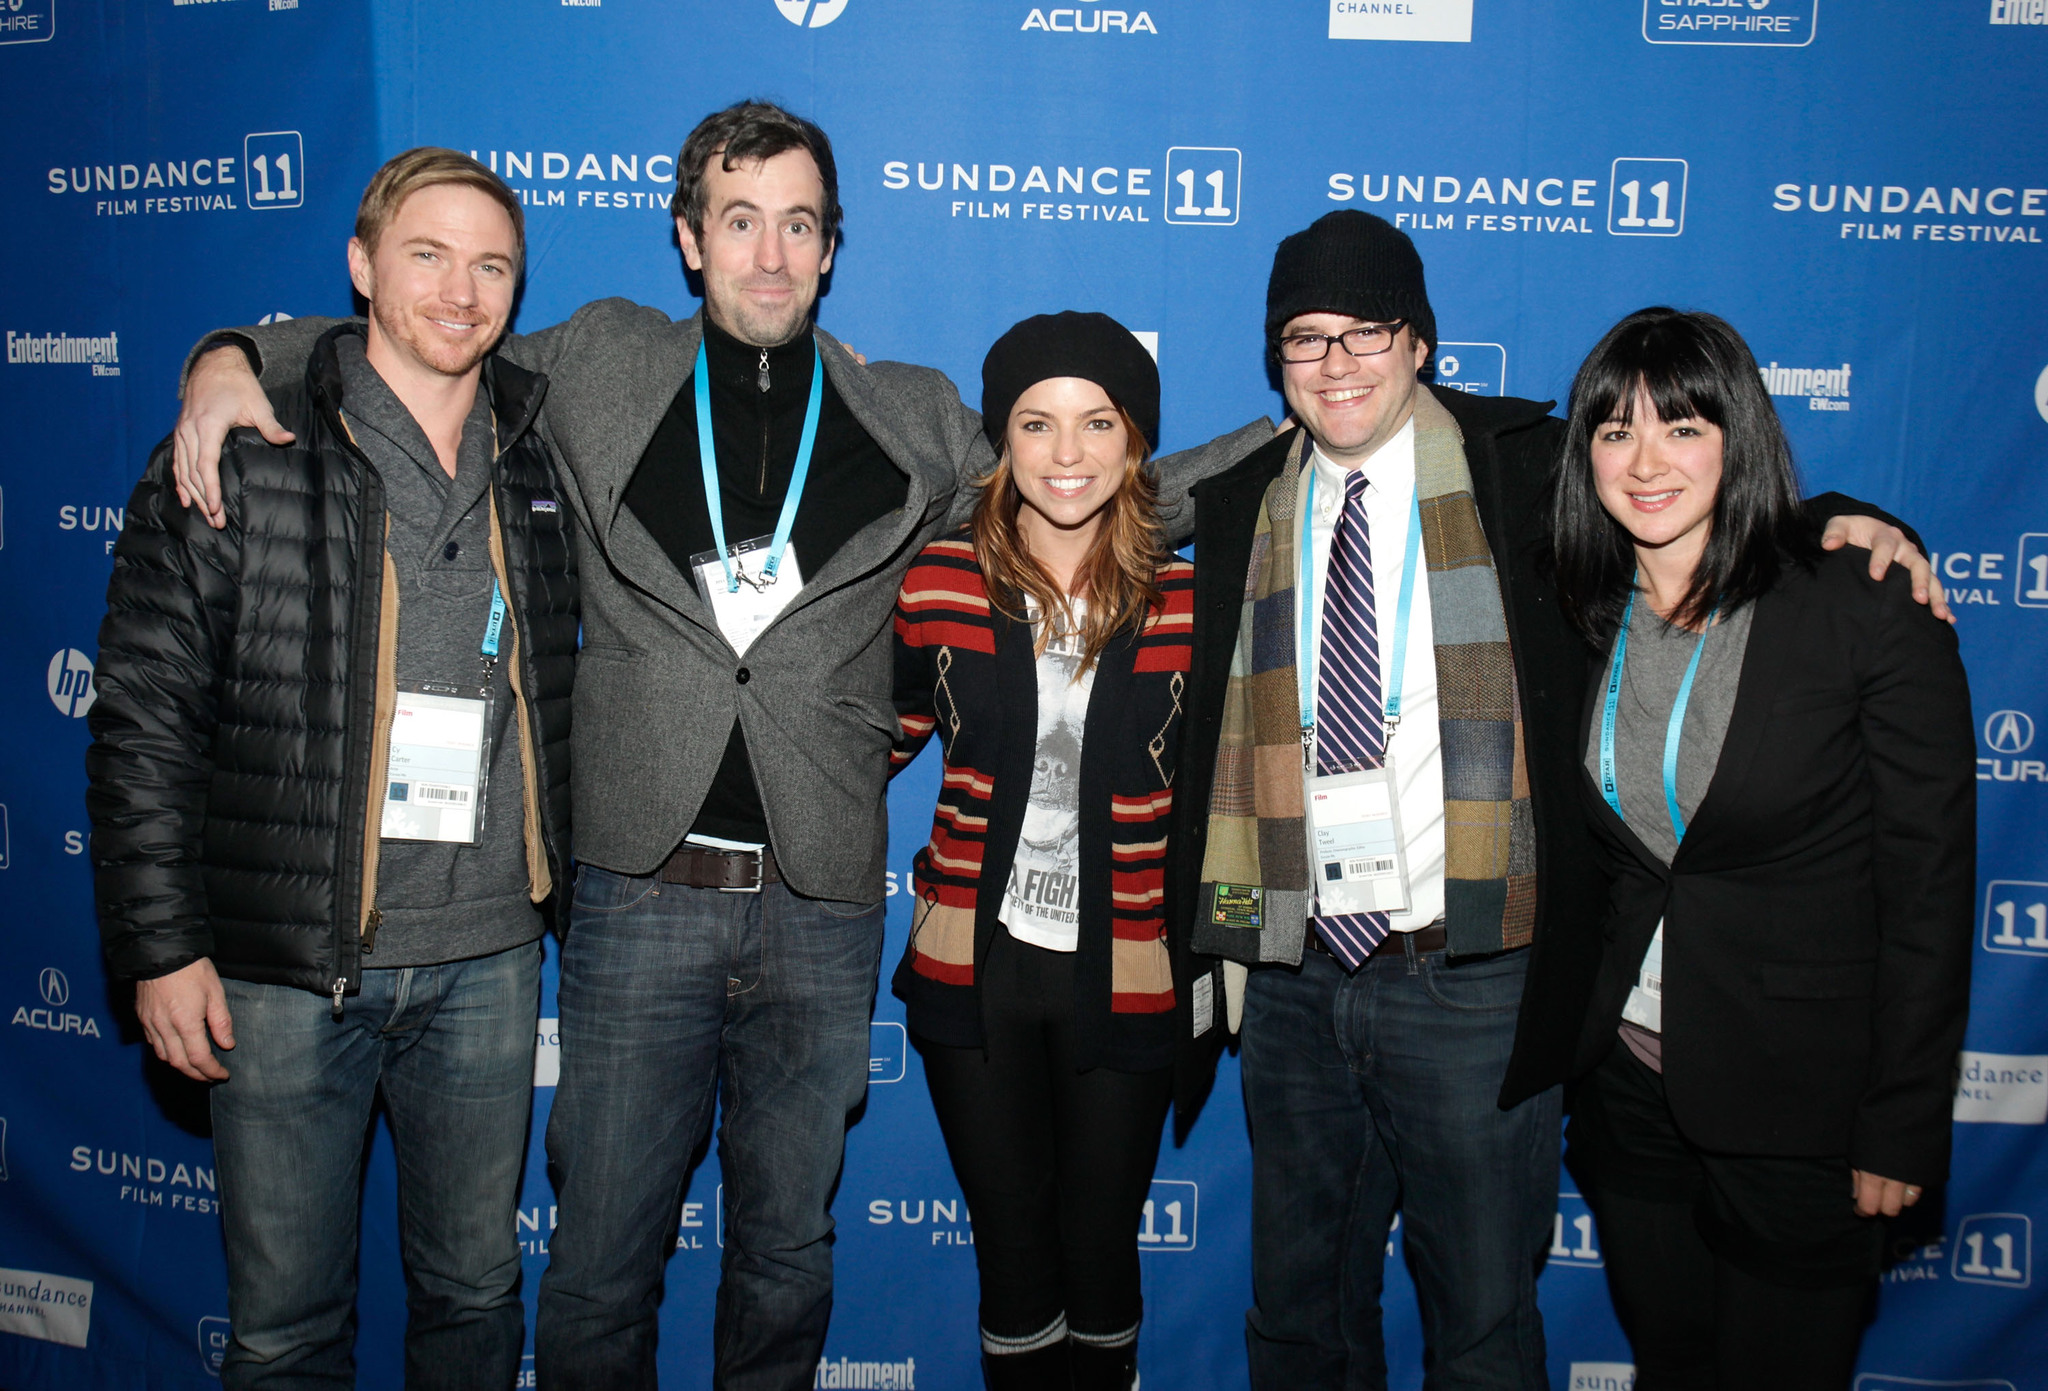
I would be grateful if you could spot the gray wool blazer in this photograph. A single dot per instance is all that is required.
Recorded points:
(657, 685)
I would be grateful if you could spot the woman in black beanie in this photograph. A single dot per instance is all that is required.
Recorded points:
(1039, 980)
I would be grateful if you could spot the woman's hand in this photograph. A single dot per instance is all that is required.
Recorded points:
(1875, 1194)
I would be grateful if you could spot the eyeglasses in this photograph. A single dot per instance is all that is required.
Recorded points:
(1369, 340)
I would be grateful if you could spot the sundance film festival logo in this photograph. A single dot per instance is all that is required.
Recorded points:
(27, 21)
(1932, 212)
(1197, 185)
(1416, 21)
(1645, 198)
(1747, 23)
(268, 174)
(811, 14)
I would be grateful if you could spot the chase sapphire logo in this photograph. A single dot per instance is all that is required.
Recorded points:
(1744, 23)
(1478, 369)
(27, 21)
(888, 1051)
(213, 1344)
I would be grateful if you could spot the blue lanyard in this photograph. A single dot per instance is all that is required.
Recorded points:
(496, 623)
(707, 450)
(1393, 675)
(1609, 787)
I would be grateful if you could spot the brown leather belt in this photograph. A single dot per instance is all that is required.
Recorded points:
(733, 871)
(1432, 938)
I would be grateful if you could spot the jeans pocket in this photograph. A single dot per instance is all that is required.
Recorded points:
(1482, 987)
(601, 891)
(846, 912)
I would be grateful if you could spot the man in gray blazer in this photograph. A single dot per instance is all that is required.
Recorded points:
(731, 736)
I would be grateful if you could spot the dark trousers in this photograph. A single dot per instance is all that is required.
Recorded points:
(1055, 1165)
(1727, 1271)
(671, 997)
(450, 1050)
(1372, 1092)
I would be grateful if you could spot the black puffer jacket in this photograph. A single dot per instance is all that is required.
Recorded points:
(241, 698)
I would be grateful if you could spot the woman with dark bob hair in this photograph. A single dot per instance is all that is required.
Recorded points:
(1779, 765)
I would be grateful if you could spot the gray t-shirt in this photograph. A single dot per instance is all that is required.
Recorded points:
(1658, 655)
(444, 902)
(1040, 903)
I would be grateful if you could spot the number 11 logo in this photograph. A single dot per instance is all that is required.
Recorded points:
(274, 170)
(1995, 1248)
(1646, 198)
(1169, 1219)
(1202, 184)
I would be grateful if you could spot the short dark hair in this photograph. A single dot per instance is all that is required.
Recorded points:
(1690, 365)
(747, 131)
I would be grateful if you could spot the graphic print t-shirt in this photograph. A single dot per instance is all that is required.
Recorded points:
(1041, 906)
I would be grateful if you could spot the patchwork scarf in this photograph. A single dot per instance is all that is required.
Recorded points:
(1256, 898)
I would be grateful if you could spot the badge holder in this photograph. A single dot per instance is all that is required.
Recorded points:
(745, 610)
(1355, 844)
(438, 772)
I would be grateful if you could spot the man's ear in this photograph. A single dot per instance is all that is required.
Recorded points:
(359, 272)
(825, 266)
(693, 255)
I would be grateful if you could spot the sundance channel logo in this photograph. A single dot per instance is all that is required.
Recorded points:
(1412, 21)
(54, 1308)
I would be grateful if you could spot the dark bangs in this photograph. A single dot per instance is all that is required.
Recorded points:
(1689, 366)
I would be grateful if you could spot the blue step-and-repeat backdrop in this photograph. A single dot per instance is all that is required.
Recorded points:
(1861, 187)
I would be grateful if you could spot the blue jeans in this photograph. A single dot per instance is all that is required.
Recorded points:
(451, 1049)
(1372, 1092)
(673, 998)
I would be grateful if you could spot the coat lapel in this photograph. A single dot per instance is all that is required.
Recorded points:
(1763, 664)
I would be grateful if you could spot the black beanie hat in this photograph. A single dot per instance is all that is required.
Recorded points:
(1093, 347)
(1349, 262)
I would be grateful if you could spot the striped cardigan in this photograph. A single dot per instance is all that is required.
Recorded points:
(968, 674)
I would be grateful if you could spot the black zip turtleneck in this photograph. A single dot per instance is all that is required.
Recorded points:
(756, 434)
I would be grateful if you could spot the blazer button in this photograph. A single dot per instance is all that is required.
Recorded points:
(450, 551)
(743, 676)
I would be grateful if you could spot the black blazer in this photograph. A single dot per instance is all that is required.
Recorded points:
(1817, 918)
(1510, 446)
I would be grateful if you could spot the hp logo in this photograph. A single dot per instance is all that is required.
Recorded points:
(2008, 731)
(811, 14)
(56, 990)
(70, 681)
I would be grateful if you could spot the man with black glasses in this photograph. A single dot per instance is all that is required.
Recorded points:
(1378, 815)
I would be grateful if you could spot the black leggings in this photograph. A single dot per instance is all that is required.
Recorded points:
(1055, 1163)
(1728, 1271)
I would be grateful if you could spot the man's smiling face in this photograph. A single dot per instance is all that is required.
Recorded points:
(441, 279)
(764, 247)
(1352, 405)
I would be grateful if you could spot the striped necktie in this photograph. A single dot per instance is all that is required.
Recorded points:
(1351, 731)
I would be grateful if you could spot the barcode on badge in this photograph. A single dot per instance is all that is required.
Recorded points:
(442, 793)
(1368, 869)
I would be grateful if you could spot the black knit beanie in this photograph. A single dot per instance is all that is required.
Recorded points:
(1093, 347)
(1349, 262)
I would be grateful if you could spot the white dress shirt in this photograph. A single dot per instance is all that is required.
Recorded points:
(1417, 746)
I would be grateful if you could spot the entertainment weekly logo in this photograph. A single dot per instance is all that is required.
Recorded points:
(102, 354)
(2000, 217)
(1825, 388)
(844, 1374)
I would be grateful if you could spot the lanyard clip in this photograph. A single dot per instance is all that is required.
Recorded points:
(1308, 748)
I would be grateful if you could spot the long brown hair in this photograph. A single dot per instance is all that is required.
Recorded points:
(1119, 577)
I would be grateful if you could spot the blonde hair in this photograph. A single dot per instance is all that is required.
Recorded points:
(1119, 577)
(424, 167)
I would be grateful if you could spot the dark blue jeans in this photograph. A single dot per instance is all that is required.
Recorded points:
(451, 1050)
(674, 998)
(1372, 1093)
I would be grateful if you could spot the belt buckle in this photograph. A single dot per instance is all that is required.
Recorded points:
(760, 858)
